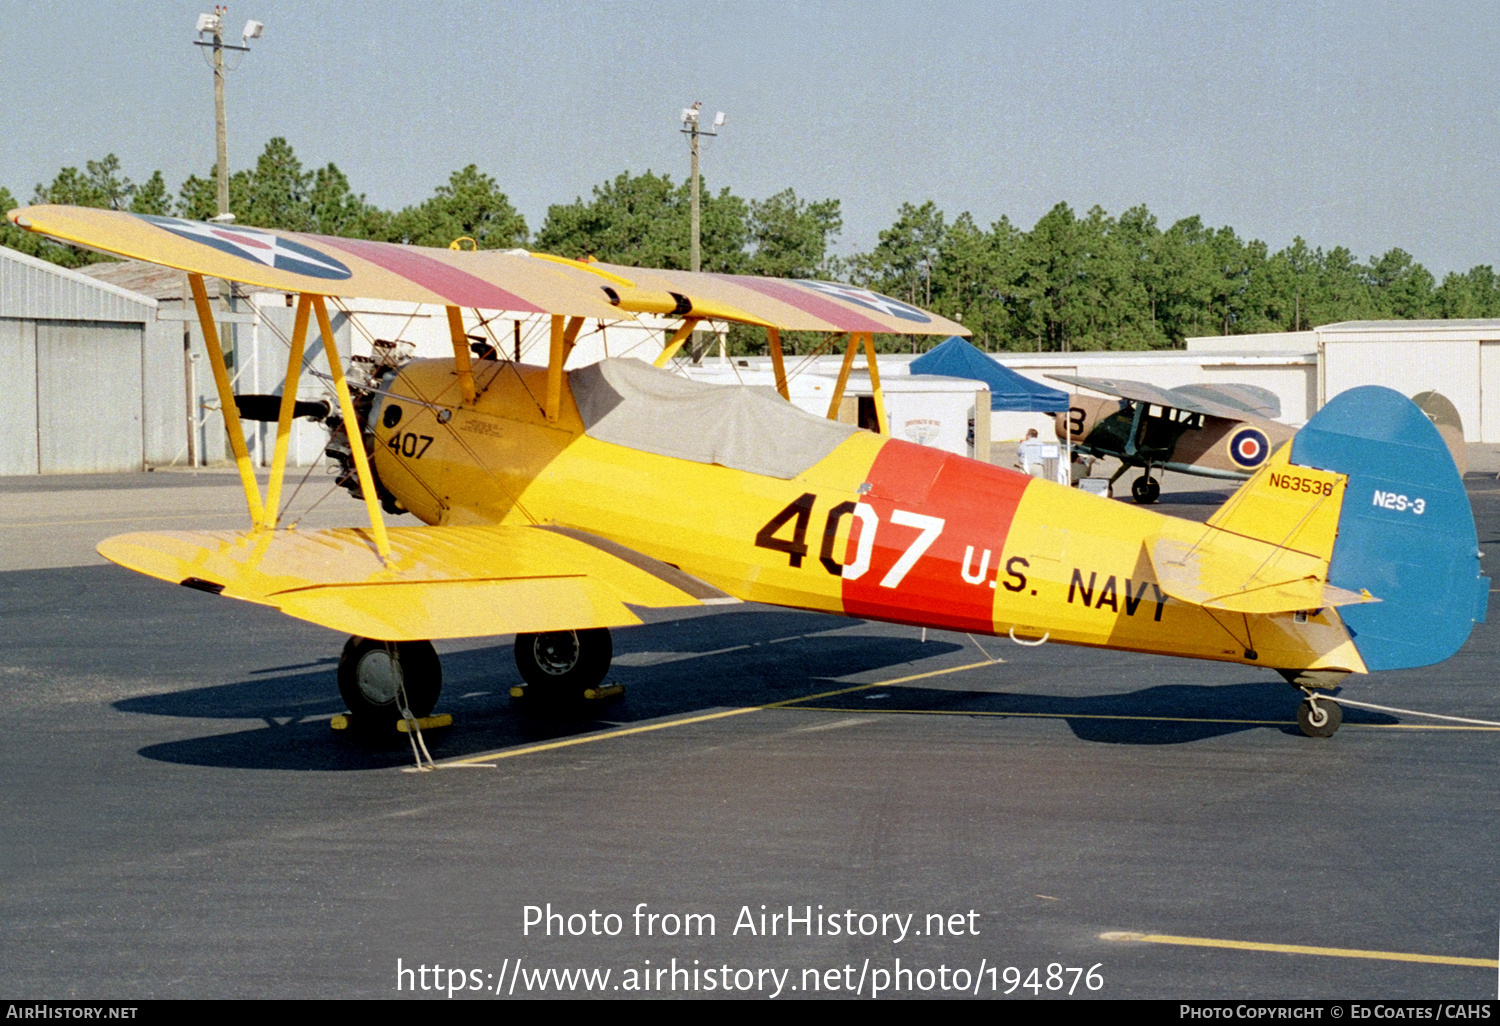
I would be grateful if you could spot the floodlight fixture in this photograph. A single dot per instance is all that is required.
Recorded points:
(689, 116)
(719, 120)
(253, 29)
(210, 23)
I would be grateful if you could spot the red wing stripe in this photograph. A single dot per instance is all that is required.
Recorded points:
(809, 302)
(458, 287)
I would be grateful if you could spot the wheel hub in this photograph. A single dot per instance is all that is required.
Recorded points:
(379, 678)
(557, 651)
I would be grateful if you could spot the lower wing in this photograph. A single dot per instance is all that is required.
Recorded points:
(441, 582)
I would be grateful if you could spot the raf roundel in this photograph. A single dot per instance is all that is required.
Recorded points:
(253, 244)
(1249, 447)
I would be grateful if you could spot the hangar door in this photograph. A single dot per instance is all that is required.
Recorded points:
(1488, 428)
(88, 397)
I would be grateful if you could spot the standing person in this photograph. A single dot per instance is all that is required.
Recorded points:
(1029, 453)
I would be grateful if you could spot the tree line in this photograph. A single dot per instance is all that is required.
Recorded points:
(1072, 282)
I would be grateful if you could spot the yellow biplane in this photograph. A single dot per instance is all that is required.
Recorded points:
(560, 503)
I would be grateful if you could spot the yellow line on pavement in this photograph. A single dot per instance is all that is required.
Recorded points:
(1299, 949)
(607, 735)
(1045, 716)
(1108, 716)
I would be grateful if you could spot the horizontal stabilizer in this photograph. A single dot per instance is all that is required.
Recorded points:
(441, 582)
(1239, 575)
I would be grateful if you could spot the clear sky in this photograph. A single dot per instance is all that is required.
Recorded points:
(1361, 124)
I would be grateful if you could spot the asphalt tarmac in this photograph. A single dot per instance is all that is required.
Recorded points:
(179, 820)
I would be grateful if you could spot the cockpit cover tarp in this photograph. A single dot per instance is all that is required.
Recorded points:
(956, 358)
(631, 403)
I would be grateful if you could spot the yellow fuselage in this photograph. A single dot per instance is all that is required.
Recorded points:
(879, 528)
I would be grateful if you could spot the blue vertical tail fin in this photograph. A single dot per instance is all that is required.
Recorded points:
(1406, 531)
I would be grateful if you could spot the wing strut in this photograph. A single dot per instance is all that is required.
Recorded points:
(838, 388)
(856, 338)
(778, 362)
(570, 336)
(288, 407)
(351, 427)
(226, 400)
(461, 355)
(681, 335)
(881, 423)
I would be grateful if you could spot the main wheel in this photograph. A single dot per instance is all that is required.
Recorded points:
(374, 676)
(561, 665)
(1145, 490)
(1320, 720)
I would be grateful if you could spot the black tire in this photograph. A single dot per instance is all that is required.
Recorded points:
(370, 689)
(1145, 490)
(558, 666)
(1331, 716)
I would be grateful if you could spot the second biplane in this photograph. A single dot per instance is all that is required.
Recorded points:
(559, 503)
(1225, 431)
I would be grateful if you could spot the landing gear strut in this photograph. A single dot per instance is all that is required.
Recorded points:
(559, 666)
(378, 679)
(1145, 490)
(1319, 717)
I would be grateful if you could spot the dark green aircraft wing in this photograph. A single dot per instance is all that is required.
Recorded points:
(1171, 398)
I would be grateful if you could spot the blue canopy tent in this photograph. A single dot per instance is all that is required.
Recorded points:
(1009, 391)
(956, 358)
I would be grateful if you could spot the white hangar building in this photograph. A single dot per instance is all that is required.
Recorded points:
(106, 373)
(1459, 358)
(76, 368)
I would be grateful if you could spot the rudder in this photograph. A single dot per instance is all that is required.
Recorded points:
(1405, 532)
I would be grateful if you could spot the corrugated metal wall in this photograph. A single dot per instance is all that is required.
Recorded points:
(88, 397)
(33, 289)
(73, 402)
(18, 408)
(72, 350)
(164, 398)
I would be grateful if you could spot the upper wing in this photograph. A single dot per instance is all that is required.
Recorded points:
(442, 582)
(486, 279)
(791, 304)
(300, 263)
(1171, 398)
(1251, 399)
(296, 262)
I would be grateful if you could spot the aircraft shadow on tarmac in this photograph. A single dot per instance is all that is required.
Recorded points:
(669, 669)
(1167, 714)
(672, 669)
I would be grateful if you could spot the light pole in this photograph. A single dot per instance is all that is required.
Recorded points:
(692, 130)
(214, 25)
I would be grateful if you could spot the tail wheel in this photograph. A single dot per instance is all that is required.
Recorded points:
(1145, 490)
(374, 677)
(561, 665)
(1319, 718)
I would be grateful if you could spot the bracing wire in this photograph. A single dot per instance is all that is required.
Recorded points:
(281, 514)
